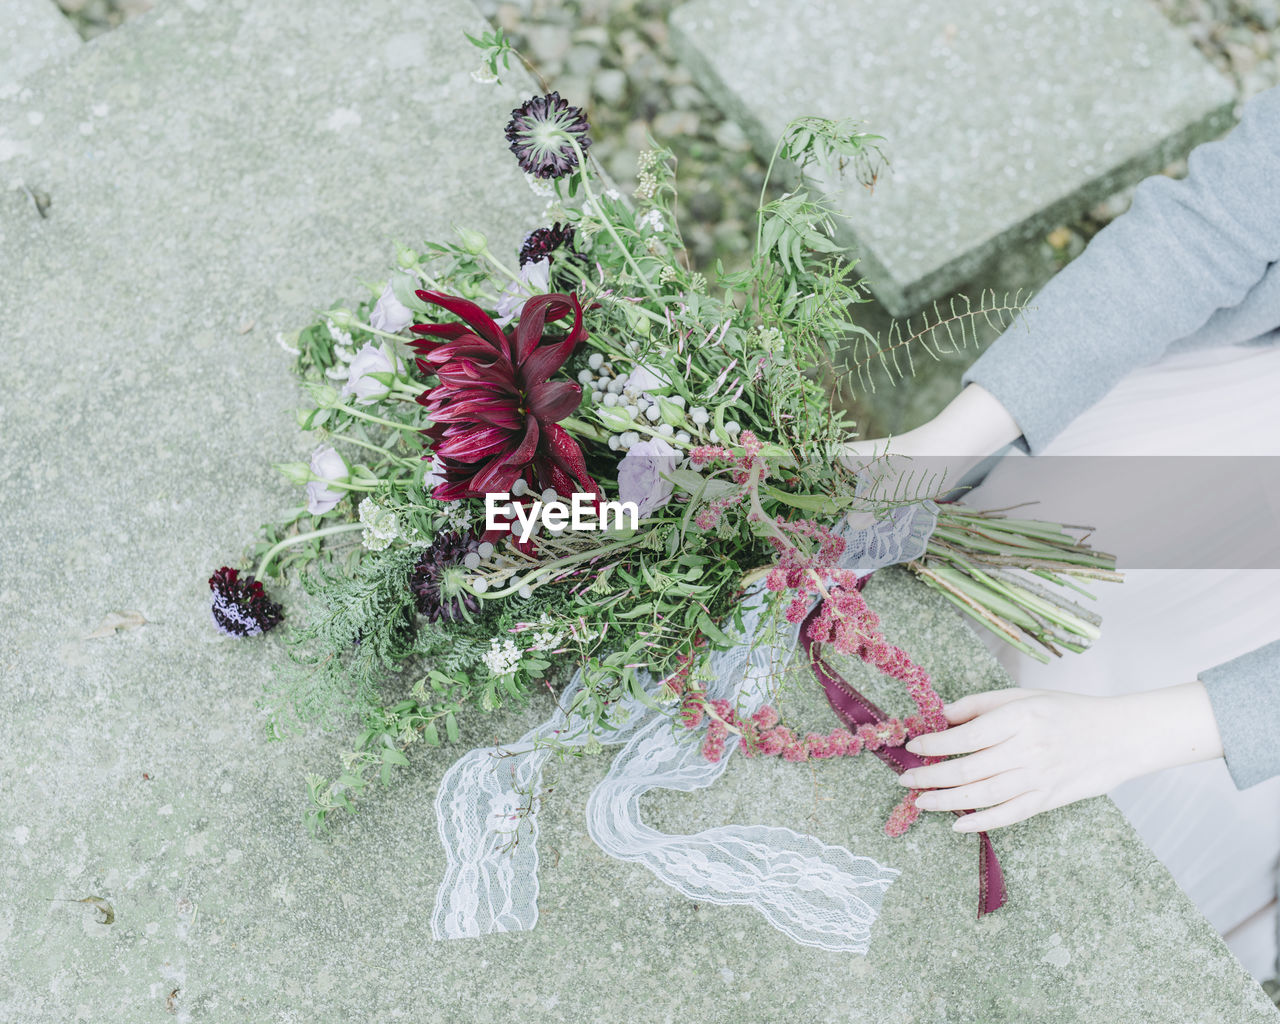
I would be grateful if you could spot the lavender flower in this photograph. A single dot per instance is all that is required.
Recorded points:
(390, 314)
(329, 467)
(641, 474)
(370, 359)
(535, 279)
(541, 132)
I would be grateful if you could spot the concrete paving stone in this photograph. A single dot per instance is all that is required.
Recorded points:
(32, 33)
(1000, 119)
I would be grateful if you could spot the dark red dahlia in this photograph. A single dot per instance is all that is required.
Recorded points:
(541, 132)
(240, 606)
(436, 580)
(496, 411)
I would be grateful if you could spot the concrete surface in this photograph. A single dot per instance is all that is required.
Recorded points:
(1001, 120)
(244, 163)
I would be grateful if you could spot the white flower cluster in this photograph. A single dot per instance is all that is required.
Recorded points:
(652, 219)
(343, 348)
(503, 656)
(381, 525)
(546, 638)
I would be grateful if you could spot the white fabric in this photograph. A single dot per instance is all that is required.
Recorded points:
(1163, 626)
(817, 894)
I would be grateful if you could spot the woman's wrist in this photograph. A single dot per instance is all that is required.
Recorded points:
(1170, 727)
(973, 425)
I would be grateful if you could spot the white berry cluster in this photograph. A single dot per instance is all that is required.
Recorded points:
(608, 385)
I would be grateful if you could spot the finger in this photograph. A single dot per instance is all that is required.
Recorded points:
(1017, 809)
(983, 731)
(984, 793)
(976, 704)
(962, 770)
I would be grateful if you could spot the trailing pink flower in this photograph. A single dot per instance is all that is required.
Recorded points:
(904, 815)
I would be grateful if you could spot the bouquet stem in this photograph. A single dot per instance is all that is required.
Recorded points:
(983, 563)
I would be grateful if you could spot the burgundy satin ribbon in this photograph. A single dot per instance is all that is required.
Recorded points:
(853, 708)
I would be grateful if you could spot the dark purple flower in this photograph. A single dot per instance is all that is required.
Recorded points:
(437, 577)
(542, 243)
(541, 132)
(240, 606)
(555, 245)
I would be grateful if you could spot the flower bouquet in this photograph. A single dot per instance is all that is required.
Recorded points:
(586, 455)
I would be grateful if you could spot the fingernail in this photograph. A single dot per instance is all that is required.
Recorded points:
(924, 803)
(905, 778)
(912, 747)
(961, 826)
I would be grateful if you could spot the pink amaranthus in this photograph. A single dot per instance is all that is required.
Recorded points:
(807, 567)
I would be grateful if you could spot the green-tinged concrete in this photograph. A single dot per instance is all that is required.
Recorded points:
(1001, 119)
(32, 33)
(245, 162)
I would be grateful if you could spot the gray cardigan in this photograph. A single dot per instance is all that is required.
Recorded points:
(1194, 262)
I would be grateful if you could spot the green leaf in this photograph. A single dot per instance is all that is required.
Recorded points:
(714, 632)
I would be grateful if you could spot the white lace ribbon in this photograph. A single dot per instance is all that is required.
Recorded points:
(487, 804)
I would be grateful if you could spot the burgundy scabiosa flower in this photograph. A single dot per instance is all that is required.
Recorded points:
(436, 580)
(542, 131)
(555, 245)
(496, 411)
(543, 243)
(240, 605)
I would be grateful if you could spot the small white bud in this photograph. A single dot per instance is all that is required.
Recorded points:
(549, 495)
(653, 413)
(610, 399)
(633, 411)
(678, 400)
(666, 429)
(595, 360)
(472, 560)
(479, 585)
(683, 436)
(519, 488)
(614, 387)
(732, 428)
(615, 442)
(526, 592)
(485, 551)
(585, 376)
(699, 415)
(630, 438)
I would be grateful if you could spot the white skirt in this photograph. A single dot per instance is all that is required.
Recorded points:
(1162, 627)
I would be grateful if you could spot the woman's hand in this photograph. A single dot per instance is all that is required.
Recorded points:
(1027, 751)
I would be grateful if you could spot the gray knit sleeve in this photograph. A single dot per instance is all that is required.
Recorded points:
(1245, 694)
(1154, 275)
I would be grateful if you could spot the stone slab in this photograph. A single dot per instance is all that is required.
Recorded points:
(32, 33)
(1001, 119)
(244, 165)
